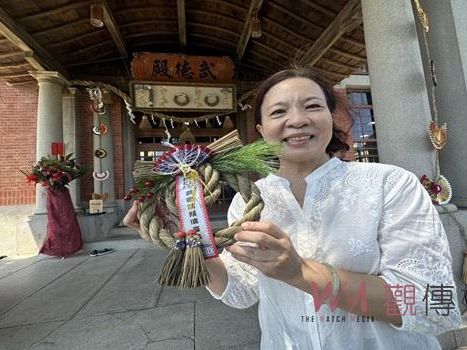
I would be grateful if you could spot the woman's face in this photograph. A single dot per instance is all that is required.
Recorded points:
(295, 113)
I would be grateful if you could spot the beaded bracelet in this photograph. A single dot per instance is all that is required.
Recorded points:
(334, 280)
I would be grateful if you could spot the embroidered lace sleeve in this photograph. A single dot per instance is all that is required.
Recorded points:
(415, 257)
(242, 286)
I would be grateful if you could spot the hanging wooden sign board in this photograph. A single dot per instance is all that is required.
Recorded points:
(149, 66)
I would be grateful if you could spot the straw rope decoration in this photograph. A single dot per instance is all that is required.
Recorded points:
(225, 160)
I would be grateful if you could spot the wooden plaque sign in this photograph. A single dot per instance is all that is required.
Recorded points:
(150, 66)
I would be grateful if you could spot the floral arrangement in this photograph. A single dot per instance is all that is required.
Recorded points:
(54, 173)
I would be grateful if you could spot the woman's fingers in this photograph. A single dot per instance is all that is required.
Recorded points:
(250, 252)
(266, 227)
(262, 239)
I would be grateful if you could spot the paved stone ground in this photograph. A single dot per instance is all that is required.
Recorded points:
(114, 302)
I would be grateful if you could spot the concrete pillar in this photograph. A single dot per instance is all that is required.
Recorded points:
(129, 154)
(49, 122)
(70, 139)
(105, 142)
(447, 43)
(400, 101)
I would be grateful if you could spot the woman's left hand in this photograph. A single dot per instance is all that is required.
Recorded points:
(274, 254)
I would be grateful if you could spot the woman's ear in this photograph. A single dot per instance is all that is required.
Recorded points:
(259, 127)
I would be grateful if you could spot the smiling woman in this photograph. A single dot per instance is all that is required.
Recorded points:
(336, 231)
(346, 254)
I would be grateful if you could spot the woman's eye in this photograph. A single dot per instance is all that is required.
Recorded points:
(277, 112)
(313, 106)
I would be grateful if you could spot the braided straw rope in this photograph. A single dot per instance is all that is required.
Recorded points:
(152, 224)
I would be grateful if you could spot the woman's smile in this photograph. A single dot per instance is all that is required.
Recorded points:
(298, 140)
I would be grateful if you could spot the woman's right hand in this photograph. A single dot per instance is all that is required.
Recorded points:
(131, 220)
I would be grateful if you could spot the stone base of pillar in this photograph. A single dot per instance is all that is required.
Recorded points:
(30, 234)
(110, 205)
(460, 201)
(97, 227)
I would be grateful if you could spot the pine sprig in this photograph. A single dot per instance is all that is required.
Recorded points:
(258, 157)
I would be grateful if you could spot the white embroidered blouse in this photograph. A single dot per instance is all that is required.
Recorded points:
(367, 218)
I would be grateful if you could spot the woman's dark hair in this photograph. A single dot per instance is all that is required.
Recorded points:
(339, 136)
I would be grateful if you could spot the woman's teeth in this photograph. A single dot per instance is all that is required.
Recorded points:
(298, 139)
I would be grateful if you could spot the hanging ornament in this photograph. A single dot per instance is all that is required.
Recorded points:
(208, 124)
(256, 31)
(172, 124)
(97, 106)
(228, 124)
(100, 130)
(97, 109)
(145, 124)
(422, 16)
(100, 153)
(218, 120)
(196, 123)
(167, 132)
(440, 191)
(154, 121)
(438, 135)
(187, 137)
(129, 111)
(100, 176)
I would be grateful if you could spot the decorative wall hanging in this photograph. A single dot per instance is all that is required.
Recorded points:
(100, 153)
(228, 124)
(100, 176)
(438, 135)
(158, 96)
(439, 191)
(181, 99)
(100, 130)
(174, 192)
(439, 188)
(126, 99)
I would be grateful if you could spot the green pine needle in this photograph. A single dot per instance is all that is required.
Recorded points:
(159, 183)
(258, 157)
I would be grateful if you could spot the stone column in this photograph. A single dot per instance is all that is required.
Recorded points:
(49, 121)
(400, 101)
(129, 149)
(105, 142)
(70, 139)
(447, 42)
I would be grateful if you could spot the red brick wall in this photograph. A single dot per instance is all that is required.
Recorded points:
(18, 142)
(117, 116)
(18, 114)
(86, 151)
